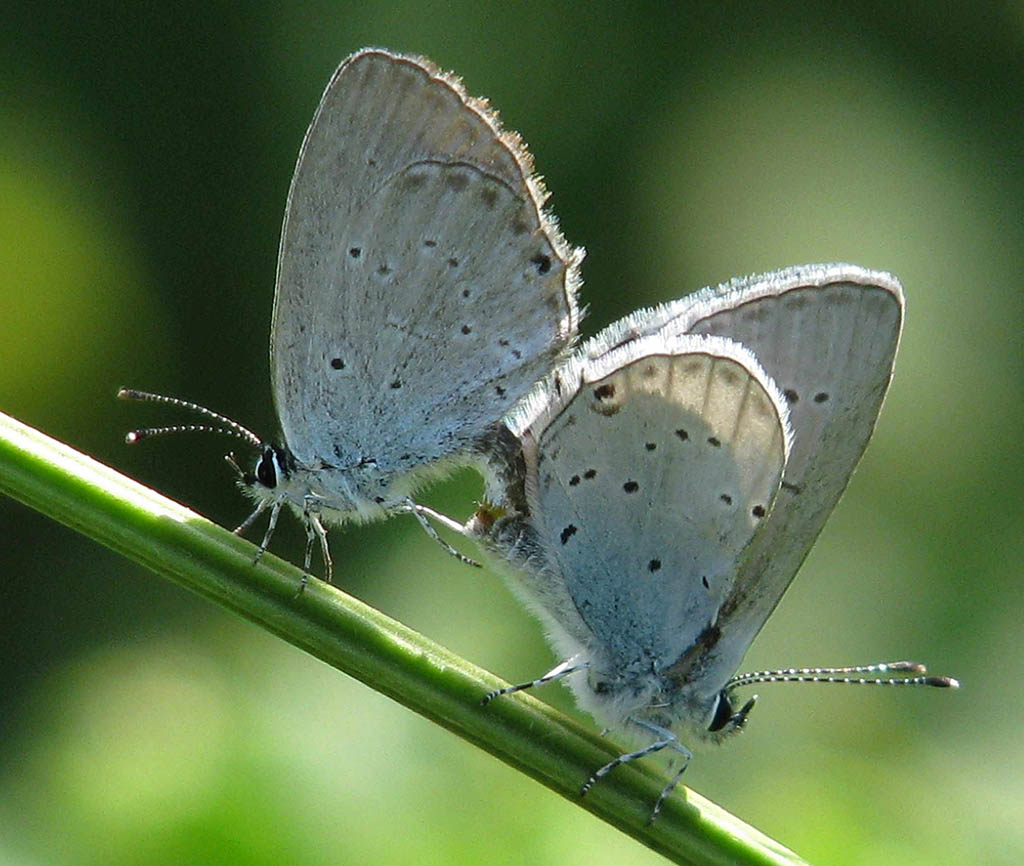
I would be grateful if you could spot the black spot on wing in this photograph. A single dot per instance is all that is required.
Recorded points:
(542, 262)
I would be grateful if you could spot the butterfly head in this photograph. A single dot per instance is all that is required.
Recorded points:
(273, 473)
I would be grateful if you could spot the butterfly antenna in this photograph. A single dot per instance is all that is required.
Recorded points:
(913, 672)
(227, 428)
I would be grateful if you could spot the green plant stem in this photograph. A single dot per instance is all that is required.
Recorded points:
(358, 640)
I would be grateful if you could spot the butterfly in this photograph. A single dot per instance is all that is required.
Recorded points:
(422, 291)
(656, 495)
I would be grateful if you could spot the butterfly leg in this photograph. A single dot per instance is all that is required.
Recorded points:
(315, 531)
(421, 513)
(665, 739)
(275, 510)
(312, 524)
(671, 786)
(251, 519)
(569, 666)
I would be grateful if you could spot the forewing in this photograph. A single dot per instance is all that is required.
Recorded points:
(649, 468)
(421, 289)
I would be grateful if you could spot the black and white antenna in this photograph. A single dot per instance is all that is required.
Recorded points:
(224, 425)
(848, 676)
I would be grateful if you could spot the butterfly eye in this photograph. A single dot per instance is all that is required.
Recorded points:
(723, 713)
(266, 473)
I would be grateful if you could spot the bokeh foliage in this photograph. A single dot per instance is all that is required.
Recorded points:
(146, 153)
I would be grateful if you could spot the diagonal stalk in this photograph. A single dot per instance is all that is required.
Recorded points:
(358, 640)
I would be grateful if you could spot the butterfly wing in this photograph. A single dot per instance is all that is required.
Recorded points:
(421, 289)
(827, 335)
(648, 469)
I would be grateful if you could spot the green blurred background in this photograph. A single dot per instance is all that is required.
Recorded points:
(145, 160)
